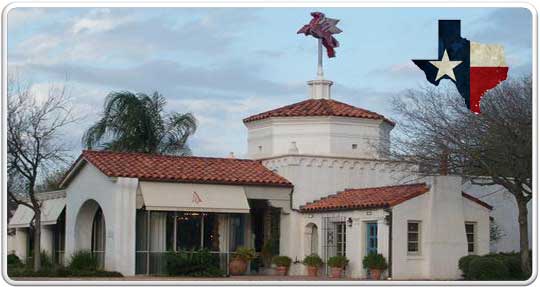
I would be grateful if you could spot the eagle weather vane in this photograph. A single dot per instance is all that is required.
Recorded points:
(322, 28)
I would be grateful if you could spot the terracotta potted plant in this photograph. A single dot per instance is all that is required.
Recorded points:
(240, 259)
(313, 262)
(376, 263)
(282, 264)
(337, 264)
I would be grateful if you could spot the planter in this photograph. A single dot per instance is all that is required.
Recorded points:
(237, 267)
(336, 272)
(375, 274)
(282, 270)
(312, 271)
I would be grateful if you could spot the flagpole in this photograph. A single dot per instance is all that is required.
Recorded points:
(320, 73)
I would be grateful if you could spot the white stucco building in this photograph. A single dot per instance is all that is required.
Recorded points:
(315, 182)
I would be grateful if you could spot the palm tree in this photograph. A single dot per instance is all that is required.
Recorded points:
(137, 123)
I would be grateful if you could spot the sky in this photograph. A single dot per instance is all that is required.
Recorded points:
(225, 64)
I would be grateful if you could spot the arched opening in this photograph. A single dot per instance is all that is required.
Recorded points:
(98, 237)
(90, 230)
(312, 239)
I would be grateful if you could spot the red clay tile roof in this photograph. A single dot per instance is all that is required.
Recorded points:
(477, 200)
(373, 197)
(183, 168)
(319, 107)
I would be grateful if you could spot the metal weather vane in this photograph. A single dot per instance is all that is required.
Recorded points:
(322, 28)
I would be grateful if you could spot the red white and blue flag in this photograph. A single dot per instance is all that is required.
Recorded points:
(473, 67)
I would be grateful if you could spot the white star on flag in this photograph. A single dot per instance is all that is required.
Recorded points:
(445, 66)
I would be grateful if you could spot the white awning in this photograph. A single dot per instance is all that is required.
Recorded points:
(194, 197)
(50, 211)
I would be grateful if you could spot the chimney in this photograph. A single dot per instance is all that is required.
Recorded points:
(320, 89)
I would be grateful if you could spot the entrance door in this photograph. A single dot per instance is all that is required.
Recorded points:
(371, 237)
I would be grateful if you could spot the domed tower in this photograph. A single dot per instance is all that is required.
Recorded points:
(318, 126)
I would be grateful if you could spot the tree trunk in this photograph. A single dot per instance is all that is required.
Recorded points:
(523, 236)
(37, 240)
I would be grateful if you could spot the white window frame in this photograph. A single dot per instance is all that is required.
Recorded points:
(341, 238)
(474, 233)
(419, 240)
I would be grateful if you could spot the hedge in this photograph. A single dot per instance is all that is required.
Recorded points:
(489, 267)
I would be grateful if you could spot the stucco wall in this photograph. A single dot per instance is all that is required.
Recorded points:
(116, 197)
(505, 214)
(442, 212)
(315, 176)
(330, 136)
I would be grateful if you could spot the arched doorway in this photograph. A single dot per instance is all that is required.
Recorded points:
(98, 237)
(312, 239)
(90, 230)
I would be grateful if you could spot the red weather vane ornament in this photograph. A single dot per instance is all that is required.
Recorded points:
(323, 28)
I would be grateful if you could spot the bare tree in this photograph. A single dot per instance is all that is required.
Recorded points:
(34, 125)
(439, 134)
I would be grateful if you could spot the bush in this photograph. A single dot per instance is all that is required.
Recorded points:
(245, 254)
(46, 260)
(83, 260)
(13, 260)
(511, 261)
(313, 260)
(463, 264)
(487, 268)
(61, 271)
(338, 261)
(374, 261)
(193, 263)
(284, 261)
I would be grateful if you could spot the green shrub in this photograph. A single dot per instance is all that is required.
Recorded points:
(511, 260)
(313, 260)
(284, 261)
(487, 268)
(463, 264)
(61, 271)
(374, 261)
(266, 253)
(338, 261)
(46, 260)
(83, 260)
(193, 263)
(245, 254)
(13, 260)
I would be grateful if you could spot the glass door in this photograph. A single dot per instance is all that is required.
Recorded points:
(371, 237)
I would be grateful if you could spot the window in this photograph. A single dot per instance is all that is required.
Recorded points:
(413, 237)
(341, 241)
(470, 231)
(260, 148)
(354, 146)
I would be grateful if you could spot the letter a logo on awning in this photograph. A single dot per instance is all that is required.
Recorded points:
(196, 198)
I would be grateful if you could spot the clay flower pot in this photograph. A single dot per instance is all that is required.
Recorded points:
(375, 274)
(281, 270)
(313, 271)
(237, 266)
(336, 272)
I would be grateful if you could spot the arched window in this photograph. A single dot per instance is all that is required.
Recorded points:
(98, 237)
(314, 239)
(311, 239)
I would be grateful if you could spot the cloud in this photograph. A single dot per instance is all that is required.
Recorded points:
(21, 16)
(405, 70)
(509, 25)
(172, 77)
